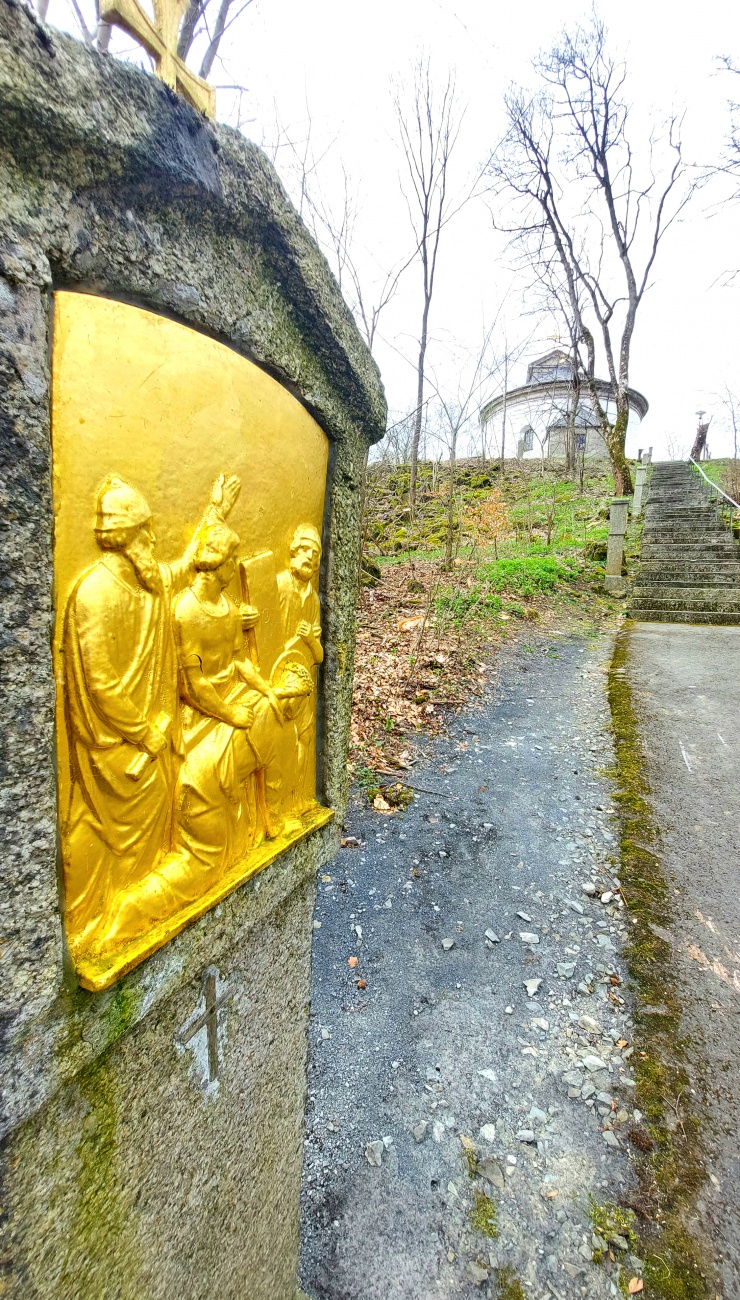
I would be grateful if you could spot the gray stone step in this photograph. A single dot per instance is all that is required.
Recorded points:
(673, 616)
(696, 573)
(689, 562)
(684, 534)
(693, 515)
(655, 582)
(686, 598)
(685, 552)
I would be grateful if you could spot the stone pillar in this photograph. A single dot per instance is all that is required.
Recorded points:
(613, 580)
(640, 477)
(152, 1119)
(648, 457)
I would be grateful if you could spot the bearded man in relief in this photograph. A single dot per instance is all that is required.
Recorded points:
(121, 696)
(300, 610)
(235, 726)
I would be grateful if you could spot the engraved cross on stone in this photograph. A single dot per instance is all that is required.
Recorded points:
(159, 39)
(208, 1021)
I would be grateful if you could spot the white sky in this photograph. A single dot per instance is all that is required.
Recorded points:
(338, 59)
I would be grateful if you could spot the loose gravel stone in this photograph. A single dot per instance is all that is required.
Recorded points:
(486, 1044)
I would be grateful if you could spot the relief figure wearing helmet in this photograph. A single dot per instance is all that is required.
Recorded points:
(182, 757)
(121, 703)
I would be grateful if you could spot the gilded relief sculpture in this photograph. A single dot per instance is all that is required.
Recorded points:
(186, 689)
(184, 758)
(301, 619)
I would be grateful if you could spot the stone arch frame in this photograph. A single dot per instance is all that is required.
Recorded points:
(112, 185)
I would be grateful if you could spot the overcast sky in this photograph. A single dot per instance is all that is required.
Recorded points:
(338, 61)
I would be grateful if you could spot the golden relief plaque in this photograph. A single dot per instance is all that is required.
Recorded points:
(188, 496)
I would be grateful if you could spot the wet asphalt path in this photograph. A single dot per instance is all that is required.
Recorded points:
(444, 1040)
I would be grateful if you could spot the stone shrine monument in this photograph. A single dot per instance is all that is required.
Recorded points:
(186, 412)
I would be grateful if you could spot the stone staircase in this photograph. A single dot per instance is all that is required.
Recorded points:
(689, 561)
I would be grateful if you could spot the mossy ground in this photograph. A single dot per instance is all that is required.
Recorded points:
(483, 1216)
(669, 1162)
(508, 1286)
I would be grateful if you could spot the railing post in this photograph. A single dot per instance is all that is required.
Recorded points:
(640, 476)
(613, 580)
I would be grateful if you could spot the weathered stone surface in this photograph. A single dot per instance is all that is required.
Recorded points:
(110, 184)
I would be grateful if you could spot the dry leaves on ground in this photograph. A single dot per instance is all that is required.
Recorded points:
(407, 669)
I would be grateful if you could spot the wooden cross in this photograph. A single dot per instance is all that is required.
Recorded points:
(159, 39)
(208, 1021)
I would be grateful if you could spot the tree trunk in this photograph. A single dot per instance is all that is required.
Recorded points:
(570, 428)
(419, 411)
(503, 417)
(700, 442)
(615, 440)
(188, 26)
(451, 503)
(209, 57)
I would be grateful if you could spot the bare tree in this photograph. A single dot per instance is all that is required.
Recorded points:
(675, 447)
(731, 476)
(209, 19)
(592, 204)
(454, 414)
(699, 447)
(367, 287)
(204, 24)
(429, 128)
(730, 163)
(502, 365)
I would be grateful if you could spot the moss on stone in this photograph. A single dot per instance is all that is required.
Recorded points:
(508, 1286)
(672, 1171)
(100, 1219)
(483, 1216)
(609, 1220)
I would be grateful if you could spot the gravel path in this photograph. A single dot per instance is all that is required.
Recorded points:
(434, 1037)
(685, 684)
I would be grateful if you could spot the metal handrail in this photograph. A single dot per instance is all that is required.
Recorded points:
(727, 502)
(735, 505)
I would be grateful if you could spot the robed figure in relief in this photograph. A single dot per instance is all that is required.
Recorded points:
(301, 618)
(183, 758)
(122, 706)
(235, 726)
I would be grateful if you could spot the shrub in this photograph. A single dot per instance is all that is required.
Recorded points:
(529, 574)
(458, 604)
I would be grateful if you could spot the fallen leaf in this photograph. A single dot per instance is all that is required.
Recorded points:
(408, 624)
(381, 805)
(353, 962)
(467, 1142)
(361, 984)
(636, 1284)
(350, 842)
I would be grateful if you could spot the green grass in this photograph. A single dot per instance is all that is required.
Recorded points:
(529, 574)
(538, 499)
(459, 604)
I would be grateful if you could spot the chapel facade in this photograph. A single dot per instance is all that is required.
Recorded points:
(536, 414)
